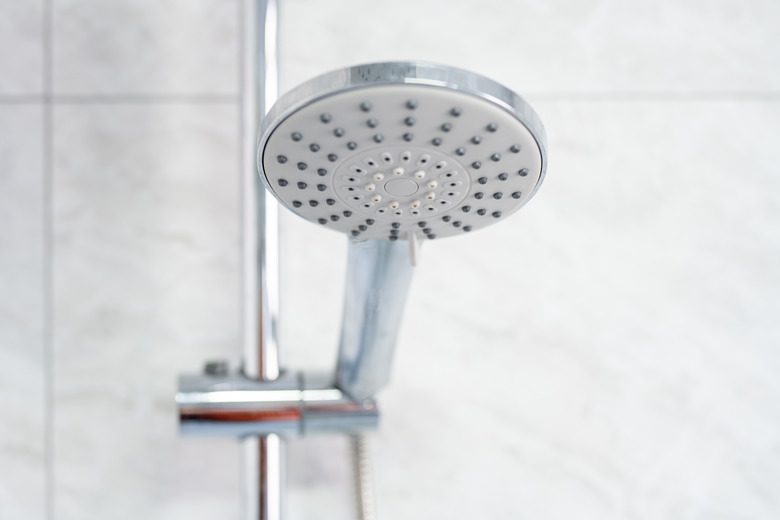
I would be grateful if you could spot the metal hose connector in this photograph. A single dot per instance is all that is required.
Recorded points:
(361, 467)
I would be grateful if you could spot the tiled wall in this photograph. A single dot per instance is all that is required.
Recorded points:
(610, 352)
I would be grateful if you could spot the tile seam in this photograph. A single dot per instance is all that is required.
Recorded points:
(653, 96)
(48, 263)
(120, 98)
(569, 97)
(241, 50)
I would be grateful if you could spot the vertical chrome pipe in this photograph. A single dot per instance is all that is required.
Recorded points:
(378, 276)
(260, 210)
(263, 455)
(263, 477)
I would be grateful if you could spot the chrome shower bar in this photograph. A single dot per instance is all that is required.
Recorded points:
(456, 152)
(263, 454)
(263, 404)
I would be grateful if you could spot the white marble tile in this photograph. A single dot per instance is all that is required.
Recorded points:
(314, 346)
(22, 314)
(320, 479)
(145, 47)
(21, 38)
(610, 351)
(560, 46)
(145, 287)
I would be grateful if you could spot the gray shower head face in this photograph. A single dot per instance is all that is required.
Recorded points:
(387, 151)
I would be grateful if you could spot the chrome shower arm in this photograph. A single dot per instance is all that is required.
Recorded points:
(379, 274)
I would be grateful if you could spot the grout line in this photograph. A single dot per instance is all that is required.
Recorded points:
(78, 99)
(619, 96)
(22, 99)
(48, 274)
(566, 97)
(118, 98)
(144, 98)
(242, 8)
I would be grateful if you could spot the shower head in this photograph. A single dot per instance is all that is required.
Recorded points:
(402, 150)
(390, 153)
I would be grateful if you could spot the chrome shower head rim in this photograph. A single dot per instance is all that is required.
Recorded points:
(364, 77)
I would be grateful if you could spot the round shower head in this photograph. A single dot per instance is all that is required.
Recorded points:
(399, 150)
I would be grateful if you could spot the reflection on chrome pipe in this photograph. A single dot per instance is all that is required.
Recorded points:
(261, 482)
(263, 457)
(260, 210)
(378, 276)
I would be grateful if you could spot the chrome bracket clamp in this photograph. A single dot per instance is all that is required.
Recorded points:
(295, 404)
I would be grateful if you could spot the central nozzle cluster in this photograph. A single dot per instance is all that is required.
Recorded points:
(402, 182)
